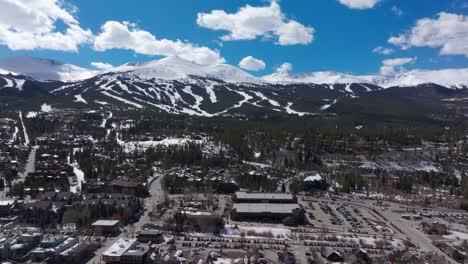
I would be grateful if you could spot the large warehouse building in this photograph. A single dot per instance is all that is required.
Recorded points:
(260, 197)
(266, 207)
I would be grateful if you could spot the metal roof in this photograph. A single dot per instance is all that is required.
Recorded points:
(264, 196)
(265, 208)
(106, 223)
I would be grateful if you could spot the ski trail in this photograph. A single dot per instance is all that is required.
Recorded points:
(104, 121)
(325, 107)
(26, 137)
(348, 88)
(15, 135)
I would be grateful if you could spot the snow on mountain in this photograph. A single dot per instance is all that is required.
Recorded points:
(324, 77)
(169, 68)
(450, 78)
(5, 72)
(175, 68)
(229, 73)
(45, 69)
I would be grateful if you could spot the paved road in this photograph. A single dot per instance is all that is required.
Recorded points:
(156, 196)
(29, 167)
(417, 237)
(408, 228)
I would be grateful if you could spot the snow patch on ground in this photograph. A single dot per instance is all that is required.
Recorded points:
(276, 232)
(401, 165)
(455, 235)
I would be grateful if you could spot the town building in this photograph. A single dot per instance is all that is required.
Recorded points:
(260, 197)
(153, 236)
(106, 227)
(263, 212)
(124, 251)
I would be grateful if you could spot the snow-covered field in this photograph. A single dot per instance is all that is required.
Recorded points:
(385, 163)
(207, 146)
(427, 166)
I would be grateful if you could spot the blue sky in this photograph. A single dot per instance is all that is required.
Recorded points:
(343, 37)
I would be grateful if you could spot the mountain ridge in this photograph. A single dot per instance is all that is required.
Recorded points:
(175, 68)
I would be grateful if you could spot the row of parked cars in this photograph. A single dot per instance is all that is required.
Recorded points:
(352, 221)
(334, 219)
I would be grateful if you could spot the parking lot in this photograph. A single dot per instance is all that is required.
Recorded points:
(343, 217)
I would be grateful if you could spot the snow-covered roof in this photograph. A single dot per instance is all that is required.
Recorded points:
(264, 196)
(264, 207)
(119, 247)
(105, 223)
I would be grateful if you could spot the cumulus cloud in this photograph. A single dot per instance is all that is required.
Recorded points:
(252, 64)
(359, 4)
(258, 22)
(125, 35)
(449, 32)
(102, 65)
(29, 25)
(382, 50)
(285, 67)
(392, 66)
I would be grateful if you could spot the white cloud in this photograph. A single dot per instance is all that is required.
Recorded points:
(125, 35)
(448, 31)
(382, 50)
(29, 25)
(252, 64)
(102, 65)
(285, 67)
(397, 11)
(359, 4)
(253, 22)
(392, 66)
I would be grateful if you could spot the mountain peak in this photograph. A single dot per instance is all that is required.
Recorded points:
(44, 69)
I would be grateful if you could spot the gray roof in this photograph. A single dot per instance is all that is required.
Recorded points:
(264, 208)
(264, 196)
(106, 223)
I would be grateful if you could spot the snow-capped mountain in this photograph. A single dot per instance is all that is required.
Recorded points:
(175, 68)
(178, 86)
(323, 77)
(45, 69)
(450, 78)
